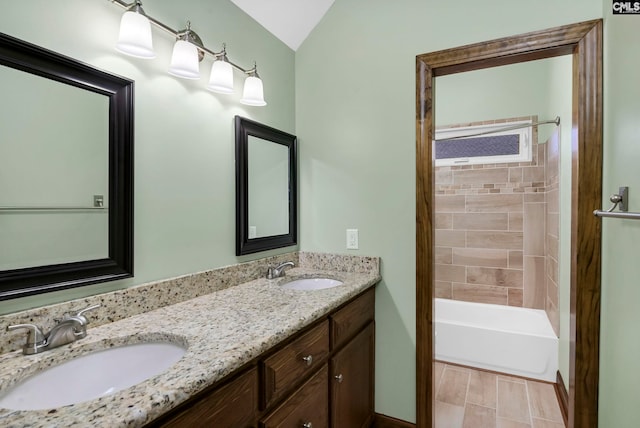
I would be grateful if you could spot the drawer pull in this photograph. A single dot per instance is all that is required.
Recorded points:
(308, 359)
(307, 425)
(339, 378)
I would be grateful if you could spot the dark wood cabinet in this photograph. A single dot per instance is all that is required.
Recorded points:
(306, 407)
(322, 377)
(352, 376)
(235, 404)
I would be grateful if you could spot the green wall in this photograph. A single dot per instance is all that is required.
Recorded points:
(620, 347)
(355, 117)
(184, 136)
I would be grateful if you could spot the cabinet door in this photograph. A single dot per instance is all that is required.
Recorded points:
(352, 380)
(232, 405)
(307, 407)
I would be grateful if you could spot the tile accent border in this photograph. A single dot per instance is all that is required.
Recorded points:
(143, 298)
(383, 421)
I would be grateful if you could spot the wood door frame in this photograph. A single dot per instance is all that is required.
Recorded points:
(584, 41)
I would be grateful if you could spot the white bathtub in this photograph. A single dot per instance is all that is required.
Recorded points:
(504, 339)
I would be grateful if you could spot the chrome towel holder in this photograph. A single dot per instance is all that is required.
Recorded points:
(619, 200)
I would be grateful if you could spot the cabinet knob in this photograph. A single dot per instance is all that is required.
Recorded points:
(339, 378)
(307, 425)
(308, 359)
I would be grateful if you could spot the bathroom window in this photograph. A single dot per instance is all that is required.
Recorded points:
(495, 145)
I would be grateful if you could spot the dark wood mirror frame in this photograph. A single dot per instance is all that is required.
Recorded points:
(584, 42)
(245, 128)
(33, 59)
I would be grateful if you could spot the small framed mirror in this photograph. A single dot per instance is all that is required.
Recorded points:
(266, 190)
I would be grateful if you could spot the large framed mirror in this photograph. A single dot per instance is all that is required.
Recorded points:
(66, 172)
(266, 195)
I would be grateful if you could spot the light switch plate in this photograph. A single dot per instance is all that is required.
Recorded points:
(352, 239)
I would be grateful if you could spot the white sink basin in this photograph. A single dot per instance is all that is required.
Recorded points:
(91, 376)
(311, 284)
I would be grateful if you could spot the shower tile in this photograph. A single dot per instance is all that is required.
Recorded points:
(480, 293)
(494, 203)
(453, 387)
(515, 221)
(515, 259)
(477, 416)
(534, 197)
(553, 199)
(533, 174)
(534, 282)
(554, 317)
(480, 257)
(552, 291)
(495, 175)
(443, 290)
(482, 389)
(443, 255)
(444, 176)
(494, 276)
(444, 220)
(533, 226)
(516, 297)
(451, 238)
(451, 273)
(504, 240)
(450, 204)
(481, 221)
(512, 401)
(515, 175)
(544, 404)
(448, 415)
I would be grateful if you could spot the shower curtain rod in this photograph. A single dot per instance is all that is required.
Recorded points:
(556, 121)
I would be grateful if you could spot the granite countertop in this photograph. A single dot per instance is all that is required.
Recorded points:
(222, 331)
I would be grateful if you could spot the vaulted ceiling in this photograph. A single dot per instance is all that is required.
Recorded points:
(289, 20)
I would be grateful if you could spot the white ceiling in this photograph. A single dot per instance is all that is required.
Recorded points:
(289, 20)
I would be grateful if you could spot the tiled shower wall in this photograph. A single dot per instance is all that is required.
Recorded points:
(491, 234)
(553, 228)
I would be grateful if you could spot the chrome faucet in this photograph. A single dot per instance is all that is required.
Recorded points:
(278, 271)
(69, 329)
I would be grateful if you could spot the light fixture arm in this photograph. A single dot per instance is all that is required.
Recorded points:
(190, 35)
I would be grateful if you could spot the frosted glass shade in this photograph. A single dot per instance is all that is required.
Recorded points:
(135, 36)
(253, 94)
(185, 61)
(221, 79)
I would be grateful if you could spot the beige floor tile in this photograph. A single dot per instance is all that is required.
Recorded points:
(453, 387)
(512, 401)
(478, 416)
(508, 423)
(482, 389)
(511, 378)
(438, 370)
(542, 423)
(448, 415)
(544, 404)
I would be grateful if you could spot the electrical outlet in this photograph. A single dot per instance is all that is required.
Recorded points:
(352, 239)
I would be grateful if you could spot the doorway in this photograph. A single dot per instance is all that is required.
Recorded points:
(584, 42)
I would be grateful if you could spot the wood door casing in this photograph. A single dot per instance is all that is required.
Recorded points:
(583, 41)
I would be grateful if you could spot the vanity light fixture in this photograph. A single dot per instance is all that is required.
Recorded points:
(185, 59)
(221, 78)
(135, 40)
(253, 94)
(135, 33)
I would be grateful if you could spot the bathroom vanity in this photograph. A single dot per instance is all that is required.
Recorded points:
(330, 361)
(256, 353)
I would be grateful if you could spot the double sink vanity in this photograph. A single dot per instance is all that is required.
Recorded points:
(230, 349)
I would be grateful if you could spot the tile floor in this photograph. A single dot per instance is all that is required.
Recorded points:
(468, 398)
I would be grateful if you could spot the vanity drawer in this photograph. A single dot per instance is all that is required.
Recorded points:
(348, 321)
(284, 369)
(308, 405)
(232, 405)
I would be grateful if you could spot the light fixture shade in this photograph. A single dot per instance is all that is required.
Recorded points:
(185, 61)
(135, 36)
(221, 79)
(253, 94)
